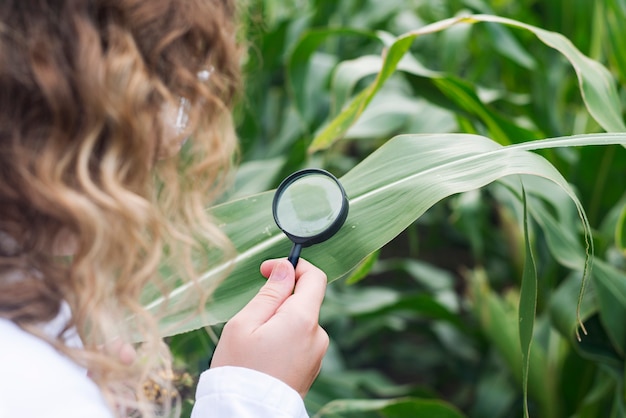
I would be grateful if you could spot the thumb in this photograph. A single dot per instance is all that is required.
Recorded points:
(276, 290)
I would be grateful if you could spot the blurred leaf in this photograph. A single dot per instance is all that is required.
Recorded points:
(360, 301)
(620, 231)
(614, 16)
(299, 60)
(499, 322)
(430, 307)
(596, 83)
(339, 125)
(254, 177)
(432, 278)
(502, 130)
(441, 297)
(592, 406)
(595, 175)
(596, 345)
(469, 216)
(563, 309)
(387, 115)
(506, 44)
(363, 268)
(391, 408)
(346, 384)
(461, 93)
(504, 41)
(562, 240)
(393, 112)
(610, 285)
(347, 75)
(494, 396)
(619, 408)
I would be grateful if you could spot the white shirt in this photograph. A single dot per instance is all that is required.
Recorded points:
(38, 381)
(246, 393)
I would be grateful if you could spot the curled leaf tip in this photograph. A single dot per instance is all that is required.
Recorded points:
(582, 327)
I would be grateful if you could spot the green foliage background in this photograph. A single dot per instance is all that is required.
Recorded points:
(428, 321)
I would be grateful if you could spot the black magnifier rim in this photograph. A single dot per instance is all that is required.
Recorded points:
(332, 228)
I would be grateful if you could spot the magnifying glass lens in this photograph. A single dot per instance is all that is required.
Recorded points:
(309, 205)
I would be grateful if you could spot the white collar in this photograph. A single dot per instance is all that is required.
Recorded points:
(53, 328)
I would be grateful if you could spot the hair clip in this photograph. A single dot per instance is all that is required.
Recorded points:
(182, 115)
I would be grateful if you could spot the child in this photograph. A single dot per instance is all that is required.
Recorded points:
(98, 187)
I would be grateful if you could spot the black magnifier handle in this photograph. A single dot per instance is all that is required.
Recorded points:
(294, 255)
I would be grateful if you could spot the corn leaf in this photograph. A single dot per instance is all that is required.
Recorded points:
(596, 83)
(388, 191)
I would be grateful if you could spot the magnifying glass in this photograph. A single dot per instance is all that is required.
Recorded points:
(309, 206)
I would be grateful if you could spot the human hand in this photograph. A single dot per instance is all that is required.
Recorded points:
(123, 351)
(277, 332)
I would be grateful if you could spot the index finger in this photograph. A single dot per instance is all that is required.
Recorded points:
(309, 291)
(303, 265)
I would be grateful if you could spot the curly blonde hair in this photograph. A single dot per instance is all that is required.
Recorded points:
(84, 85)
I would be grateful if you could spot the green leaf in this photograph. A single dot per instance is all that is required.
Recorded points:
(255, 177)
(499, 320)
(561, 239)
(563, 311)
(620, 231)
(347, 75)
(299, 59)
(462, 94)
(391, 408)
(363, 268)
(596, 345)
(393, 112)
(528, 305)
(502, 130)
(596, 83)
(339, 125)
(506, 44)
(610, 285)
(388, 191)
(614, 21)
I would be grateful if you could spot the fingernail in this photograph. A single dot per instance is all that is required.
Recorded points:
(280, 272)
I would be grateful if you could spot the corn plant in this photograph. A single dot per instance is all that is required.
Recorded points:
(481, 270)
